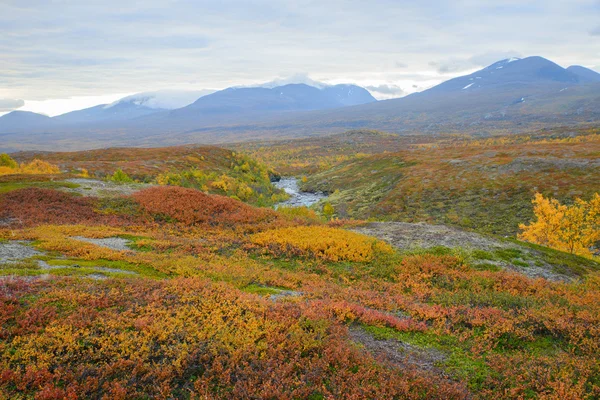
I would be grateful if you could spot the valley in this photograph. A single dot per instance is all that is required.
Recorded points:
(397, 273)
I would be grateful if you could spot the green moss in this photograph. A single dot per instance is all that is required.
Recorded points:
(27, 264)
(483, 255)
(261, 289)
(486, 267)
(561, 262)
(140, 269)
(134, 243)
(508, 254)
(6, 187)
(118, 206)
(458, 361)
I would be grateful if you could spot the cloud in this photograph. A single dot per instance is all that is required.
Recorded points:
(386, 91)
(7, 105)
(451, 65)
(101, 48)
(454, 65)
(595, 32)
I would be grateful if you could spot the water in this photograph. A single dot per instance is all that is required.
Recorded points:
(298, 198)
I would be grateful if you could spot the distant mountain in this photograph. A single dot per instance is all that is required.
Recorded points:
(513, 72)
(121, 111)
(584, 74)
(247, 106)
(133, 106)
(512, 95)
(291, 97)
(18, 121)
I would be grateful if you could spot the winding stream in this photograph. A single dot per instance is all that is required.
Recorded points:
(298, 198)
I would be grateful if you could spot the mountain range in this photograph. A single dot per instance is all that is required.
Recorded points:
(512, 94)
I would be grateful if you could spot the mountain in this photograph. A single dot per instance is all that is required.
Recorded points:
(106, 113)
(133, 106)
(18, 121)
(291, 97)
(584, 74)
(513, 72)
(249, 105)
(511, 95)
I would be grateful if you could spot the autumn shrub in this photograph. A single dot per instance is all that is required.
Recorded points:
(180, 339)
(34, 206)
(7, 161)
(120, 177)
(300, 214)
(574, 229)
(8, 166)
(321, 242)
(192, 207)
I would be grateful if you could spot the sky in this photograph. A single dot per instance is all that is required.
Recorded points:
(61, 55)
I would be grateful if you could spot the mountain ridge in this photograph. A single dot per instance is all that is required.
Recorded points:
(511, 95)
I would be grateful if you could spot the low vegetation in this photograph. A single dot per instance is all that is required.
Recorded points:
(209, 169)
(574, 229)
(484, 185)
(8, 166)
(175, 291)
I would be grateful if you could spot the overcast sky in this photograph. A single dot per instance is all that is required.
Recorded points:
(59, 55)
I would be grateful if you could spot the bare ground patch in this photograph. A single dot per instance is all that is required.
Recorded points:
(97, 188)
(406, 237)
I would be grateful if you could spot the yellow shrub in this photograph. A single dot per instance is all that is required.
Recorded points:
(322, 242)
(33, 168)
(39, 167)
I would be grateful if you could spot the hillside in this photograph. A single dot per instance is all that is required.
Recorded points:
(210, 169)
(485, 185)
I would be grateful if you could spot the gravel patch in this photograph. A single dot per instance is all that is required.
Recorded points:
(408, 236)
(283, 294)
(97, 188)
(16, 251)
(399, 353)
(113, 243)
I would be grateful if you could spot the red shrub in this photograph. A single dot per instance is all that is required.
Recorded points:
(33, 206)
(192, 207)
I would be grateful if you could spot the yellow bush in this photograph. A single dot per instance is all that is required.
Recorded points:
(574, 229)
(39, 167)
(33, 168)
(322, 242)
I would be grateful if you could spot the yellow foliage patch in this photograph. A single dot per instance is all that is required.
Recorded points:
(36, 167)
(574, 228)
(322, 242)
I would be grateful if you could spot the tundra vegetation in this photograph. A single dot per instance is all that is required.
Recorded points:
(213, 296)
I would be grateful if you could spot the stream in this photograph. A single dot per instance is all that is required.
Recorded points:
(298, 198)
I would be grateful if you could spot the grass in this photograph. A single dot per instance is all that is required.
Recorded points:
(262, 290)
(6, 187)
(458, 362)
(83, 265)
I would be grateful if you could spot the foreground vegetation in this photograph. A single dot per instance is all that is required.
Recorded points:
(203, 268)
(179, 289)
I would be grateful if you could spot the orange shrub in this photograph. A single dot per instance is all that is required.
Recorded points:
(321, 242)
(192, 207)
